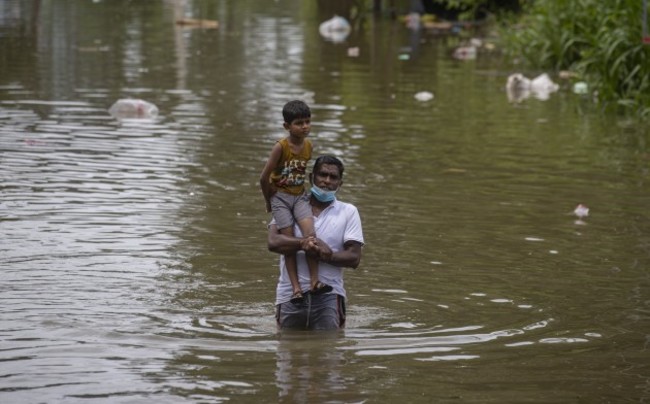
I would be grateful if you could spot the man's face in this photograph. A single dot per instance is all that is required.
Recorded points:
(327, 177)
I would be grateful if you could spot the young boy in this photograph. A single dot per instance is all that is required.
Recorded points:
(283, 186)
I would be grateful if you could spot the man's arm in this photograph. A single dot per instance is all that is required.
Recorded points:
(283, 244)
(349, 257)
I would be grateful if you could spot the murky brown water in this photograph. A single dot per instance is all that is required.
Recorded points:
(133, 259)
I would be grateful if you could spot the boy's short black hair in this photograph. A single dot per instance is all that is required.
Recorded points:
(295, 109)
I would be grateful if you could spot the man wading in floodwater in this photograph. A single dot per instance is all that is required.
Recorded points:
(338, 245)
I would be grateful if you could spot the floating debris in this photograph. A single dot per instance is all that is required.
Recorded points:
(580, 88)
(444, 26)
(133, 108)
(193, 23)
(336, 29)
(477, 42)
(413, 21)
(465, 53)
(567, 74)
(353, 52)
(519, 87)
(543, 83)
(517, 81)
(581, 211)
(424, 96)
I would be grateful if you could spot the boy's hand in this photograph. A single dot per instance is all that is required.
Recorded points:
(318, 247)
(308, 245)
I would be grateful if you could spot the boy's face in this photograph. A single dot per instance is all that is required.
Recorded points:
(299, 127)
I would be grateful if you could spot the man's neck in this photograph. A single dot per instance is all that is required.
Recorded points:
(318, 206)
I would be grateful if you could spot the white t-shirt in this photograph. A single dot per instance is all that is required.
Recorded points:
(337, 224)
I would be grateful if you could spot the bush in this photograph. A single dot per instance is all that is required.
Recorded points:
(599, 40)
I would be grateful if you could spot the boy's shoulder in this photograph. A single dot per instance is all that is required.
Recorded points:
(286, 143)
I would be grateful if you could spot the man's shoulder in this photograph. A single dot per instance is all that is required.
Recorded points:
(344, 204)
(341, 206)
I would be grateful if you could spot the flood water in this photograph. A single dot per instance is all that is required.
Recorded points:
(133, 263)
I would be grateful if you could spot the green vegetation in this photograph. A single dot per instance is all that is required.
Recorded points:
(599, 41)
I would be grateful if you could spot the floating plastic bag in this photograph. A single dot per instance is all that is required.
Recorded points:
(580, 88)
(581, 211)
(424, 96)
(543, 83)
(353, 52)
(133, 108)
(336, 29)
(465, 53)
(519, 87)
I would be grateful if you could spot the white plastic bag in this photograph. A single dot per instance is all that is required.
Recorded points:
(133, 108)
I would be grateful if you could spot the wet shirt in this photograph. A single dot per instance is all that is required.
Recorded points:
(291, 172)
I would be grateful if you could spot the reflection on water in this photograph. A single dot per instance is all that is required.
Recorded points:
(311, 368)
(133, 265)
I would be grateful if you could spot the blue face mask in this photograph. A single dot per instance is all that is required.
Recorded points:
(323, 195)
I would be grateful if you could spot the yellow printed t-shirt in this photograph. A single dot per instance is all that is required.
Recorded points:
(291, 172)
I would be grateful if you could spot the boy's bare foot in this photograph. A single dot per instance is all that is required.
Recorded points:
(297, 297)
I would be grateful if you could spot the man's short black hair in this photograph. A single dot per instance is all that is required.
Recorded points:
(327, 159)
(294, 110)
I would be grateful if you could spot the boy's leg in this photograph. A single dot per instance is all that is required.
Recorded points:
(305, 219)
(307, 229)
(281, 207)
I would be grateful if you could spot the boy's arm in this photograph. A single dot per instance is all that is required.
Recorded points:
(267, 188)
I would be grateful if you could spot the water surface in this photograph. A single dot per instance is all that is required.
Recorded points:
(133, 258)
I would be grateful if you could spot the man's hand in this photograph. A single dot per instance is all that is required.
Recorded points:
(318, 248)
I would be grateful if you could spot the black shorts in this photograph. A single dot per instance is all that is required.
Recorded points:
(315, 312)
